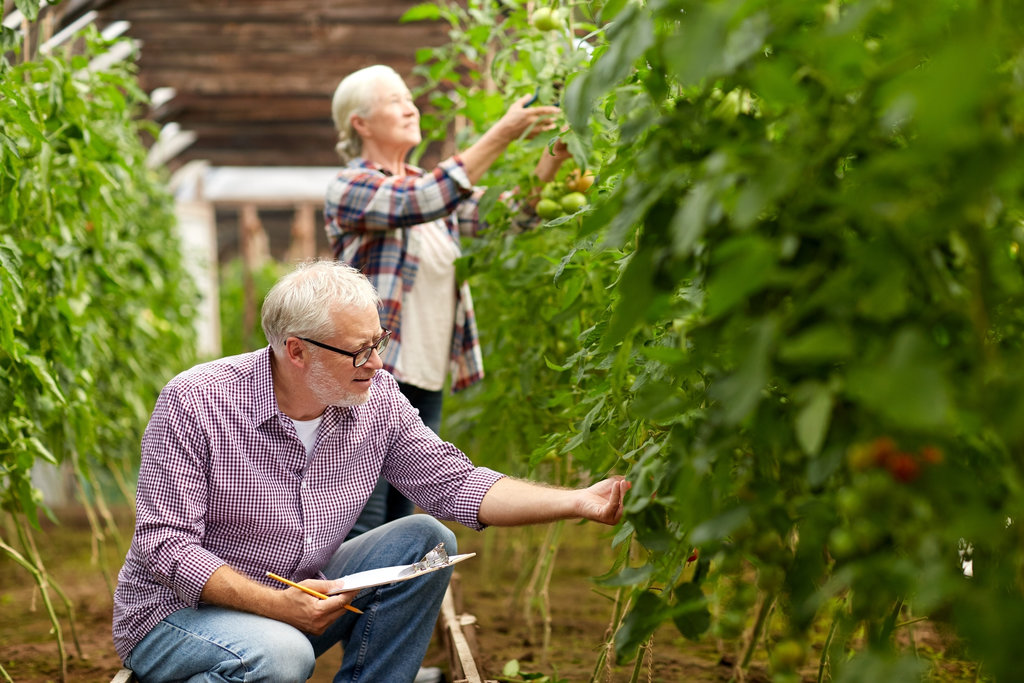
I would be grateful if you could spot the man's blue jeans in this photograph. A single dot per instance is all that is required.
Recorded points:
(386, 643)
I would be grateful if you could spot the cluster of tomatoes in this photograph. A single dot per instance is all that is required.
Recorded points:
(882, 452)
(560, 197)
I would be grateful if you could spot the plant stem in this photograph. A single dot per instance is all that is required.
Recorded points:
(825, 648)
(767, 602)
(34, 567)
(554, 537)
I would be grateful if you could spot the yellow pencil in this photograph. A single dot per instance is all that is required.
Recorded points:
(315, 594)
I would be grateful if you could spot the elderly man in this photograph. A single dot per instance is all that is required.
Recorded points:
(261, 463)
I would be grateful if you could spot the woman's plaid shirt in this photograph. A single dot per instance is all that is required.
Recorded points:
(371, 217)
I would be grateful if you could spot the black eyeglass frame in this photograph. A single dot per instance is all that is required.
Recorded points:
(378, 346)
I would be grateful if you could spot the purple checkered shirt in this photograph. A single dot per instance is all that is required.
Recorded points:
(224, 480)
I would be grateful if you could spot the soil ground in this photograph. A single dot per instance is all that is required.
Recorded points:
(489, 587)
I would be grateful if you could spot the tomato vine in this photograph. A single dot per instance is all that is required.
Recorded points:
(802, 246)
(97, 307)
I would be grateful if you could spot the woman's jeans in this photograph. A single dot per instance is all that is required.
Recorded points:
(387, 503)
(386, 643)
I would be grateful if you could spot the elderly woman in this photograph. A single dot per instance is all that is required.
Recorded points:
(401, 225)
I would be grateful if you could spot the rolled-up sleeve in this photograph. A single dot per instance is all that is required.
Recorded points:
(362, 198)
(431, 472)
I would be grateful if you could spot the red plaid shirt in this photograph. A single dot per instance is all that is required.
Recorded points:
(371, 218)
(225, 480)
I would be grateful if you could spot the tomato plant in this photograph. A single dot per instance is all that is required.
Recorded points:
(96, 305)
(803, 240)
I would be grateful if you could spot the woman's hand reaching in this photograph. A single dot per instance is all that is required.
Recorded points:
(531, 120)
(517, 122)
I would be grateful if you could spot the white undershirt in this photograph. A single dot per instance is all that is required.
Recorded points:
(306, 429)
(428, 312)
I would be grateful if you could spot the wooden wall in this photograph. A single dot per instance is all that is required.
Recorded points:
(254, 78)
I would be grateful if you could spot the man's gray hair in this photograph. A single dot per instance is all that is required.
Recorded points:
(303, 302)
(356, 94)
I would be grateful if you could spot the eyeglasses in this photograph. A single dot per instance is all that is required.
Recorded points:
(359, 357)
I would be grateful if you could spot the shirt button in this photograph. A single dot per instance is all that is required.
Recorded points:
(309, 539)
(304, 485)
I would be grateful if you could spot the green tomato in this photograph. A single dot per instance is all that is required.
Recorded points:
(553, 190)
(573, 202)
(548, 209)
(544, 19)
(842, 544)
(850, 502)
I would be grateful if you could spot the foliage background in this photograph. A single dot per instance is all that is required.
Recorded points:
(790, 314)
(95, 306)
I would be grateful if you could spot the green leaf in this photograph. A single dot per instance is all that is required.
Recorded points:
(611, 9)
(691, 615)
(744, 265)
(554, 366)
(629, 576)
(813, 419)
(635, 293)
(629, 36)
(37, 447)
(511, 668)
(740, 391)
(719, 527)
(640, 622)
(426, 11)
(8, 144)
(687, 226)
(907, 386)
(29, 8)
(828, 342)
(41, 370)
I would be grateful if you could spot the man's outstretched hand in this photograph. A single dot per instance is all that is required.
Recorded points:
(602, 502)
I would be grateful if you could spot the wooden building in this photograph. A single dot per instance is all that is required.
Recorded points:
(253, 79)
(241, 90)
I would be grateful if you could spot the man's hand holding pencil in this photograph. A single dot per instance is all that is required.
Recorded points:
(315, 593)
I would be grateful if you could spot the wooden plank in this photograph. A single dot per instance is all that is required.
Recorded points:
(238, 82)
(275, 37)
(123, 676)
(279, 63)
(463, 664)
(217, 15)
(257, 157)
(248, 107)
(250, 82)
(256, 10)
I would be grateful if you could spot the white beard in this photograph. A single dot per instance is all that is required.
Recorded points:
(327, 391)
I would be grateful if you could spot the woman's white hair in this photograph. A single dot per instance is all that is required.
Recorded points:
(303, 302)
(356, 95)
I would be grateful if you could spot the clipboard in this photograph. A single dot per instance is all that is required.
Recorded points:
(385, 575)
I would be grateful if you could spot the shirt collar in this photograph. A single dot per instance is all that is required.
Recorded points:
(365, 163)
(265, 406)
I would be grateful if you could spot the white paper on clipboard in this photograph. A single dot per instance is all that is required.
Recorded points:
(386, 575)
